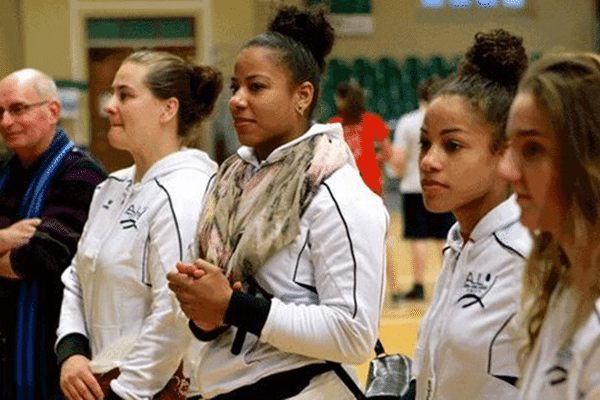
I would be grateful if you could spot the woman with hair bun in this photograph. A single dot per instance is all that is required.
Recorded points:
(468, 344)
(142, 220)
(289, 284)
(554, 164)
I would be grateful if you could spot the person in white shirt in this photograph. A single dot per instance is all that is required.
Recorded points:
(467, 344)
(142, 220)
(290, 282)
(554, 163)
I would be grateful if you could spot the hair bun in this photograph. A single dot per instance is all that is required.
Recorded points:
(310, 28)
(498, 56)
(205, 83)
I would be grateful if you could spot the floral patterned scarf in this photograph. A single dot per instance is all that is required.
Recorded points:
(250, 217)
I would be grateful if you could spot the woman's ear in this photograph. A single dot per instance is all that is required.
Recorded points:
(304, 96)
(171, 107)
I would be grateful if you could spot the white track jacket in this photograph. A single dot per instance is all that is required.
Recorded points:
(467, 346)
(564, 372)
(116, 285)
(327, 288)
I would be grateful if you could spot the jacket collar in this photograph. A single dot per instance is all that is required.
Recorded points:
(247, 153)
(184, 158)
(504, 214)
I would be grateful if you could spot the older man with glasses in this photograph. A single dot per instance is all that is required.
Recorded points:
(45, 191)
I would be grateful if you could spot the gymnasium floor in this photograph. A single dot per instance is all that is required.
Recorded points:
(400, 321)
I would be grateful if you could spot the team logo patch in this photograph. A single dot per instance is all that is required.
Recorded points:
(134, 213)
(476, 287)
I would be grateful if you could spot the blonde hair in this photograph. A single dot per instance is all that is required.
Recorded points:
(566, 87)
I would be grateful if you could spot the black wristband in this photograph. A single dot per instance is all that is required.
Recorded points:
(206, 336)
(248, 312)
(73, 343)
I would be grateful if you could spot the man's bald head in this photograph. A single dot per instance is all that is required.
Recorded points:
(43, 84)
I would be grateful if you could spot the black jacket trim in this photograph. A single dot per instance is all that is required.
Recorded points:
(349, 243)
(206, 336)
(512, 249)
(304, 285)
(174, 218)
(509, 379)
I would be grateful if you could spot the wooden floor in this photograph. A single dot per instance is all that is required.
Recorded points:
(400, 321)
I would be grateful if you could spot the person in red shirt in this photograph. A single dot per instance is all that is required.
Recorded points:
(364, 132)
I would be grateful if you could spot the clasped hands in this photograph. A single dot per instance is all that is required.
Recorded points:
(203, 292)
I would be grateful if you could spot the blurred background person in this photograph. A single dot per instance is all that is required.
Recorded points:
(419, 223)
(143, 220)
(366, 133)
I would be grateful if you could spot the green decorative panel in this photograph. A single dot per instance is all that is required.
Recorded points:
(139, 29)
(103, 29)
(344, 6)
(176, 28)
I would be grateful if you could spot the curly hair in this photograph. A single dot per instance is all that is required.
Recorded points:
(488, 77)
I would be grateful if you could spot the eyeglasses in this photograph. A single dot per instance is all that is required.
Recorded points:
(18, 109)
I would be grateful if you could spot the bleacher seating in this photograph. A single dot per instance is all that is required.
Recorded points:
(390, 86)
(438, 65)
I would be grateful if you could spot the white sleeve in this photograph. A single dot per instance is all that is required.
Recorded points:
(347, 226)
(164, 336)
(400, 133)
(72, 314)
(72, 317)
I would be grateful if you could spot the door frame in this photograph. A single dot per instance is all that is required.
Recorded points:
(81, 10)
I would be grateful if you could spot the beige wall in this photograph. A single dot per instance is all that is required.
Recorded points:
(404, 28)
(42, 40)
(37, 33)
(46, 36)
(11, 46)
